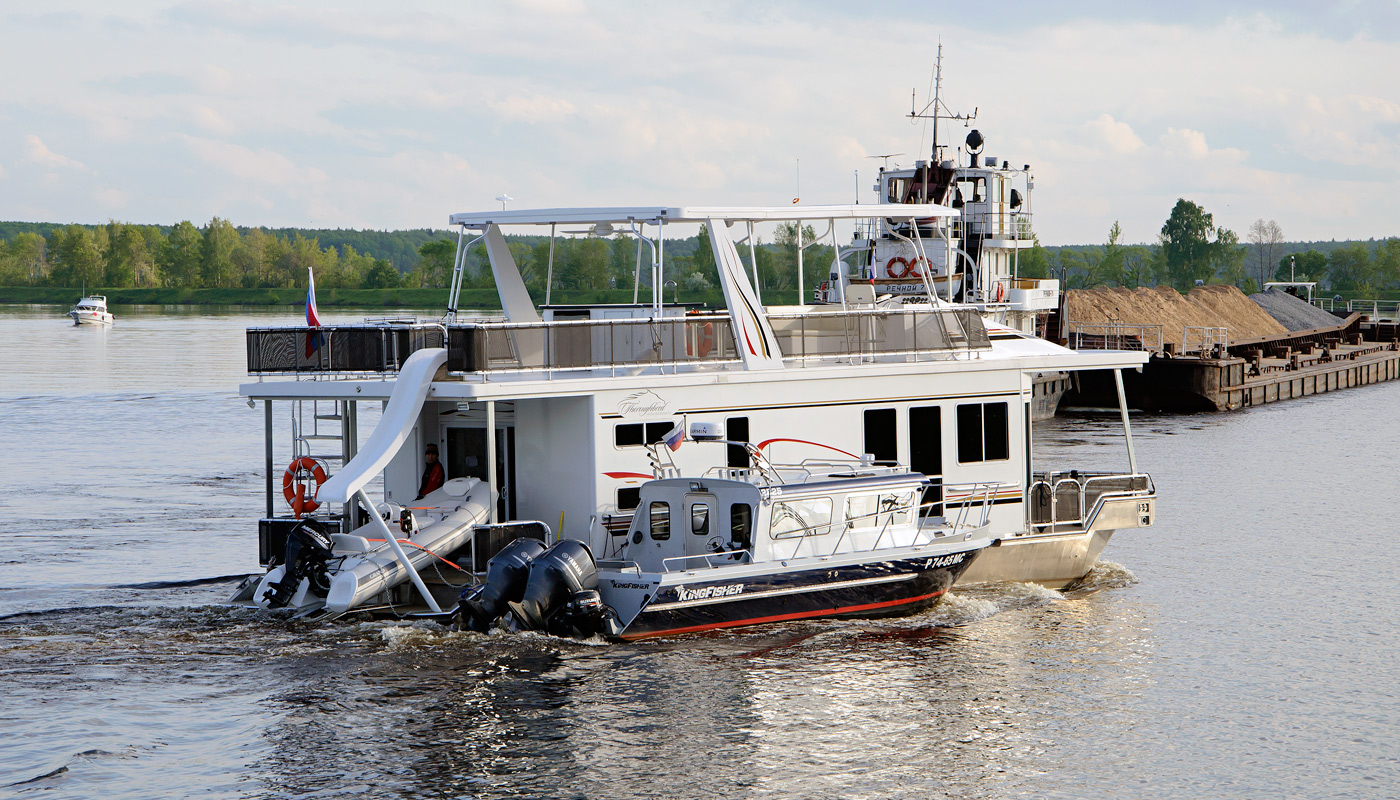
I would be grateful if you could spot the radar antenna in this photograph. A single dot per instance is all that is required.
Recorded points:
(938, 108)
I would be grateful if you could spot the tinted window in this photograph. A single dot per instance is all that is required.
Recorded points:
(736, 429)
(656, 431)
(628, 497)
(660, 514)
(700, 519)
(629, 435)
(984, 432)
(970, 432)
(880, 434)
(996, 434)
(741, 525)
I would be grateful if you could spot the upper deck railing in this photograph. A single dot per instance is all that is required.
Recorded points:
(340, 348)
(484, 348)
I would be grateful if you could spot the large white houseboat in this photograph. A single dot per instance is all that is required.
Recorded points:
(550, 410)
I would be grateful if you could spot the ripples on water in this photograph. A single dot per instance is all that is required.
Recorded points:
(1244, 647)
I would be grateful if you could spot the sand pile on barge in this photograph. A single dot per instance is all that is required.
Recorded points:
(1206, 306)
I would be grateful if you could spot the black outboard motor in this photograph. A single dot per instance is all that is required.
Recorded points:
(308, 550)
(561, 596)
(506, 576)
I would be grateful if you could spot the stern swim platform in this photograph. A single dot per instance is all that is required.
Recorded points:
(692, 341)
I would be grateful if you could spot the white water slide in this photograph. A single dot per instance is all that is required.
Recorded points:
(463, 503)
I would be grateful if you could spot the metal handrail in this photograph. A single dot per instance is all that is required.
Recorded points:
(1115, 336)
(1053, 484)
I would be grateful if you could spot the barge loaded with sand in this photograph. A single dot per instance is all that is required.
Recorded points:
(1216, 349)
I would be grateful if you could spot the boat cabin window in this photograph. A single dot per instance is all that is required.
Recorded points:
(700, 519)
(741, 525)
(880, 510)
(638, 434)
(797, 518)
(628, 498)
(660, 519)
(972, 190)
(983, 434)
(736, 429)
(926, 450)
(880, 438)
(897, 189)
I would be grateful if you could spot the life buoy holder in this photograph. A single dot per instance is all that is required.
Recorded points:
(701, 344)
(295, 491)
(911, 267)
(1000, 291)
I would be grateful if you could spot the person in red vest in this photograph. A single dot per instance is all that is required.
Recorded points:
(433, 474)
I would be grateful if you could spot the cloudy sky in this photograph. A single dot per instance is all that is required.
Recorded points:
(394, 115)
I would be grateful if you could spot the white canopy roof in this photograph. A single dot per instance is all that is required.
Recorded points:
(654, 214)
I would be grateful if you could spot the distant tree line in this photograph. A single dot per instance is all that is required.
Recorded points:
(1191, 248)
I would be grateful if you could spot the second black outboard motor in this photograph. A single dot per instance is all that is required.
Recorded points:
(308, 550)
(506, 576)
(561, 596)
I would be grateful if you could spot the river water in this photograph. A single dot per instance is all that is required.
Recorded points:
(1244, 647)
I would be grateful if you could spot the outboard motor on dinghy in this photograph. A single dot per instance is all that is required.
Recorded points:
(506, 576)
(308, 550)
(561, 596)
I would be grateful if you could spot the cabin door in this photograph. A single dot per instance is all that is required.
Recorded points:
(466, 458)
(703, 528)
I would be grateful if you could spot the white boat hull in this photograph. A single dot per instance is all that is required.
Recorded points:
(84, 318)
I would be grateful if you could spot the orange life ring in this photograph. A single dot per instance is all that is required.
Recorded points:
(911, 267)
(1001, 291)
(703, 344)
(296, 497)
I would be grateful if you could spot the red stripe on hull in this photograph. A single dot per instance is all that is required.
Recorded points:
(784, 617)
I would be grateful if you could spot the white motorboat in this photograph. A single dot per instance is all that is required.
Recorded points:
(91, 310)
(739, 547)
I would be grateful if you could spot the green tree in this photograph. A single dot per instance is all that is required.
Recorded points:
(1387, 264)
(435, 268)
(1307, 266)
(183, 251)
(216, 267)
(1228, 259)
(1034, 263)
(250, 265)
(77, 258)
(1349, 268)
(382, 275)
(1186, 247)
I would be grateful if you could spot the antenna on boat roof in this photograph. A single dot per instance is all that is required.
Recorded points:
(937, 104)
(504, 198)
(887, 157)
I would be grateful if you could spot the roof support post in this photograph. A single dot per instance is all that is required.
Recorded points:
(392, 539)
(1127, 427)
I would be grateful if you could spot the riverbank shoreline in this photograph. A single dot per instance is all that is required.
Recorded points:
(485, 299)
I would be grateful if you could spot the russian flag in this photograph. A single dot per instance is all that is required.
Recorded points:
(675, 437)
(313, 320)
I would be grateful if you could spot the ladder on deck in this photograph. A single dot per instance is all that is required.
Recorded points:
(336, 424)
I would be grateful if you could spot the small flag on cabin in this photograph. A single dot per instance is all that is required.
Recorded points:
(674, 438)
(313, 319)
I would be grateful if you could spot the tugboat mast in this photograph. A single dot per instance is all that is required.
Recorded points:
(940, 111)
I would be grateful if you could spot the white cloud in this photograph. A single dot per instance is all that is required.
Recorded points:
(1185, 143)
(36, 152)
(110, 198)
(533, 109)
(1117, 136)
(258, 166)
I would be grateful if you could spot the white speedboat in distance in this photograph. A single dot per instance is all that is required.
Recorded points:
(91, 310)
